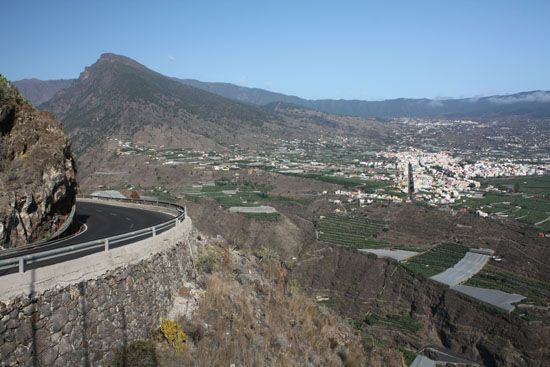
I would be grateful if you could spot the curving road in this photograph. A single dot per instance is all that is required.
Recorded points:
(101, 221)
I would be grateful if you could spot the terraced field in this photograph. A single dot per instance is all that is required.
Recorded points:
(436, 260)
(491, 277)
(351, 231)
(530, 204)
(231, 194)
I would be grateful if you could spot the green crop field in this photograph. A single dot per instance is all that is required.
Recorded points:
(531, 185)
(491, 277)
(436, 260)
(247, 194)
(531, 209)
(351, 231)
(525, 198)
(349, 182)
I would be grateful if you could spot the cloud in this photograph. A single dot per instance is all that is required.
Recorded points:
(171, 58)
(540, 97)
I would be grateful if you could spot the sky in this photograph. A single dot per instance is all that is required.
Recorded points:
(313, 49)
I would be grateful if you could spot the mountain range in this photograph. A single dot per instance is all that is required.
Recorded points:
(531, 103)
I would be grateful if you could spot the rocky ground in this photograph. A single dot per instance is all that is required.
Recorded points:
(37, 171)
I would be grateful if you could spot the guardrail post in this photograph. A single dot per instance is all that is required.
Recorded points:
(106, 244)
(21, 265)
(154, 231)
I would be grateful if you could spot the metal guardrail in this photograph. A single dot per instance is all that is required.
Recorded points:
(87, 248)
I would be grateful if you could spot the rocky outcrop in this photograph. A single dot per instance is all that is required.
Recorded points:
(37, 171)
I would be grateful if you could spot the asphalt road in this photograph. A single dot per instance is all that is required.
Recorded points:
(101, 221)
(104, 220)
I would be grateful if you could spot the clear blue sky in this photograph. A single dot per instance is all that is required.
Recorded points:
(313, 49)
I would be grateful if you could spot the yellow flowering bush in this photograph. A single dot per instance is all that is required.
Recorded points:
(174, 334)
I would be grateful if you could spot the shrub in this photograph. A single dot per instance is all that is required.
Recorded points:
(207, 260)
(138, 353)
(174, 334)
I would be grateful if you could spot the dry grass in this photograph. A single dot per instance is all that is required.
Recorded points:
(250, 316)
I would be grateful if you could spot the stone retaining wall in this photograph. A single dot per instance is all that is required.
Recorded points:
(81, 324)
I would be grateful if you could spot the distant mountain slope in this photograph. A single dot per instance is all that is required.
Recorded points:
(533, 103)
(39, 91)
(119, 97)
(255, 96)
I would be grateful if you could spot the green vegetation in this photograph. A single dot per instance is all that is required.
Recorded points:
(524, 198)
(207, 259)
(354, 231)
(241, 198)
(408, 355)
(400, 322)
(536, 291)
(436, 260)
(529, 317)
(246, 193)
(350, 182)
(7, 90)
(531, 185)
(161, 195)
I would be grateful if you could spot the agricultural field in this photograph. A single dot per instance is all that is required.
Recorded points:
(401, 322)
(530, 210)
(356, 231)
(536, 291)
(530, 185)
(436, 260)
(230, 194)
(349, 182)
(526, 199)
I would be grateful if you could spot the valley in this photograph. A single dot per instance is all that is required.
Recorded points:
(392, 234)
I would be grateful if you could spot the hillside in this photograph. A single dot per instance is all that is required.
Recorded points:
(40, 91)
(119, 97)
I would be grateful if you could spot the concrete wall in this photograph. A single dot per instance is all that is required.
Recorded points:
(78, 312)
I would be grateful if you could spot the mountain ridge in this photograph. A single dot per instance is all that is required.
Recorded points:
(535, 103)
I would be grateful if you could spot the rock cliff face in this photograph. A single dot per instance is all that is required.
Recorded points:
(37, 171)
